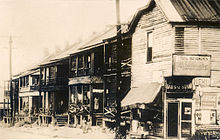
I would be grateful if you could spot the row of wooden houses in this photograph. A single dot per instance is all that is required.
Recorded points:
(170, 75)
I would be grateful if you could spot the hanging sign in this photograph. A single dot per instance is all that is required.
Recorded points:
(191, 65)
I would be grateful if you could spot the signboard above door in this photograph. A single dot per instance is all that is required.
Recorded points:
(191, 65)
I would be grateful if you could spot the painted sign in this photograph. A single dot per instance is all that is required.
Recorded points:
(205, 117)
(209, 100)
(191, 65)
(202, 82)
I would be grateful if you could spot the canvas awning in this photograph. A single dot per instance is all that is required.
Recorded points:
(145, 93)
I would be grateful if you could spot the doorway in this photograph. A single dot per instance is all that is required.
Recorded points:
(179, 118)
(173, 119)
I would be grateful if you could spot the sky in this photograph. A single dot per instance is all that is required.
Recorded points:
(39, 25)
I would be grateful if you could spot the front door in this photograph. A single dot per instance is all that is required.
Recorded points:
(186, 119)
(179, 119)
(173, 119)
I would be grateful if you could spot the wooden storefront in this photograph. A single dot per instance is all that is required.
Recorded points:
(180, 50)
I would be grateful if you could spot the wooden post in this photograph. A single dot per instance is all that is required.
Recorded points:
(39, 85)
(10, 74)
(30, 105)
(118, 81)
(164, 112)
(8, 107)
(68, 121)
(104, 87)
(75, 120)
(4, 104)
(91, 103)
(3, 107)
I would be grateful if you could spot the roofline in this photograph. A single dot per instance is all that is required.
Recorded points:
(199, 23)
(138, 14)
(52, 63)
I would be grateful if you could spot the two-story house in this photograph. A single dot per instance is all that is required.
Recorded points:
(28, 93)
(86, 82)
(54, 89)
(175, 69)
(92, 81)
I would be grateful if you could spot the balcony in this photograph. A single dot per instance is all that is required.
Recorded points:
(34, 87)
(55, 81)
(191, 65)
(29, 88)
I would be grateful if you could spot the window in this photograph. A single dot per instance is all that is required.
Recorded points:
(74, 66)
(86, 94)
(73, 94)
(80, 65)
(79, 94)
(179, 40)
(87, 64)
(149, 46)
(34, 80)
(26, 81)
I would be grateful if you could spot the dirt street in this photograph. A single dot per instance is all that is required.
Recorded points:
(33, 132)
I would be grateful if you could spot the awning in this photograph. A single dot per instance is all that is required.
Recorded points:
(145, 93)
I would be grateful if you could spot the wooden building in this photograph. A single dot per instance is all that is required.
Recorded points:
(5, 106)
(28, 91)
(86, 85)
(54, 90)
(89, 94)
(175, 69)
(170, 73)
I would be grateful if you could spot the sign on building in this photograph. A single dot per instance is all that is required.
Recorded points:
(191, 65)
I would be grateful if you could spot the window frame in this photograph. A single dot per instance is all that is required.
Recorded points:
(149, 47)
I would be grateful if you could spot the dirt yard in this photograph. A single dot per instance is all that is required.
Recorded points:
(38, 132)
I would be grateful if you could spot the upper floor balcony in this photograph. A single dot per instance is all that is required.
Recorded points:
(58, 81)
(29, 88)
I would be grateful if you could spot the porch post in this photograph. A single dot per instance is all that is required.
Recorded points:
(53, 122)
(30, 105)
(43, 102)
(39, 88)
(164, 112)
(47, 100)
(68, 121)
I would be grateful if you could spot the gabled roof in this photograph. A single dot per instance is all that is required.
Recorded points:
(92, 41)
(182, 11)
(198, 10)
(31, 72)
(33, 68)
(97, 39)
(174, 11)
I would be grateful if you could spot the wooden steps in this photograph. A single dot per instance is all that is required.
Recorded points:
(62, 120)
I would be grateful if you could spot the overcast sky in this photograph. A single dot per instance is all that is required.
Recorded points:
(40, 24)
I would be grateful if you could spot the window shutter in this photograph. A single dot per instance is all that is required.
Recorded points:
(179, 40)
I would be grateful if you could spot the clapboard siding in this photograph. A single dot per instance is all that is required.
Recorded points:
(143, 71)
(204, 40)
(151, 18)
(191, 45)
(215, 78)
(210, 44)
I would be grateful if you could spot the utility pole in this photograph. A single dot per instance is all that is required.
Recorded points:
(10, 75)
(118, 83)
(12, 98)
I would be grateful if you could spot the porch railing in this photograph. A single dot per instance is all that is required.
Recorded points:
(55, 81)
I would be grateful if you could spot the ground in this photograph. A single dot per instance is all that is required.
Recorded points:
(51, 132)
